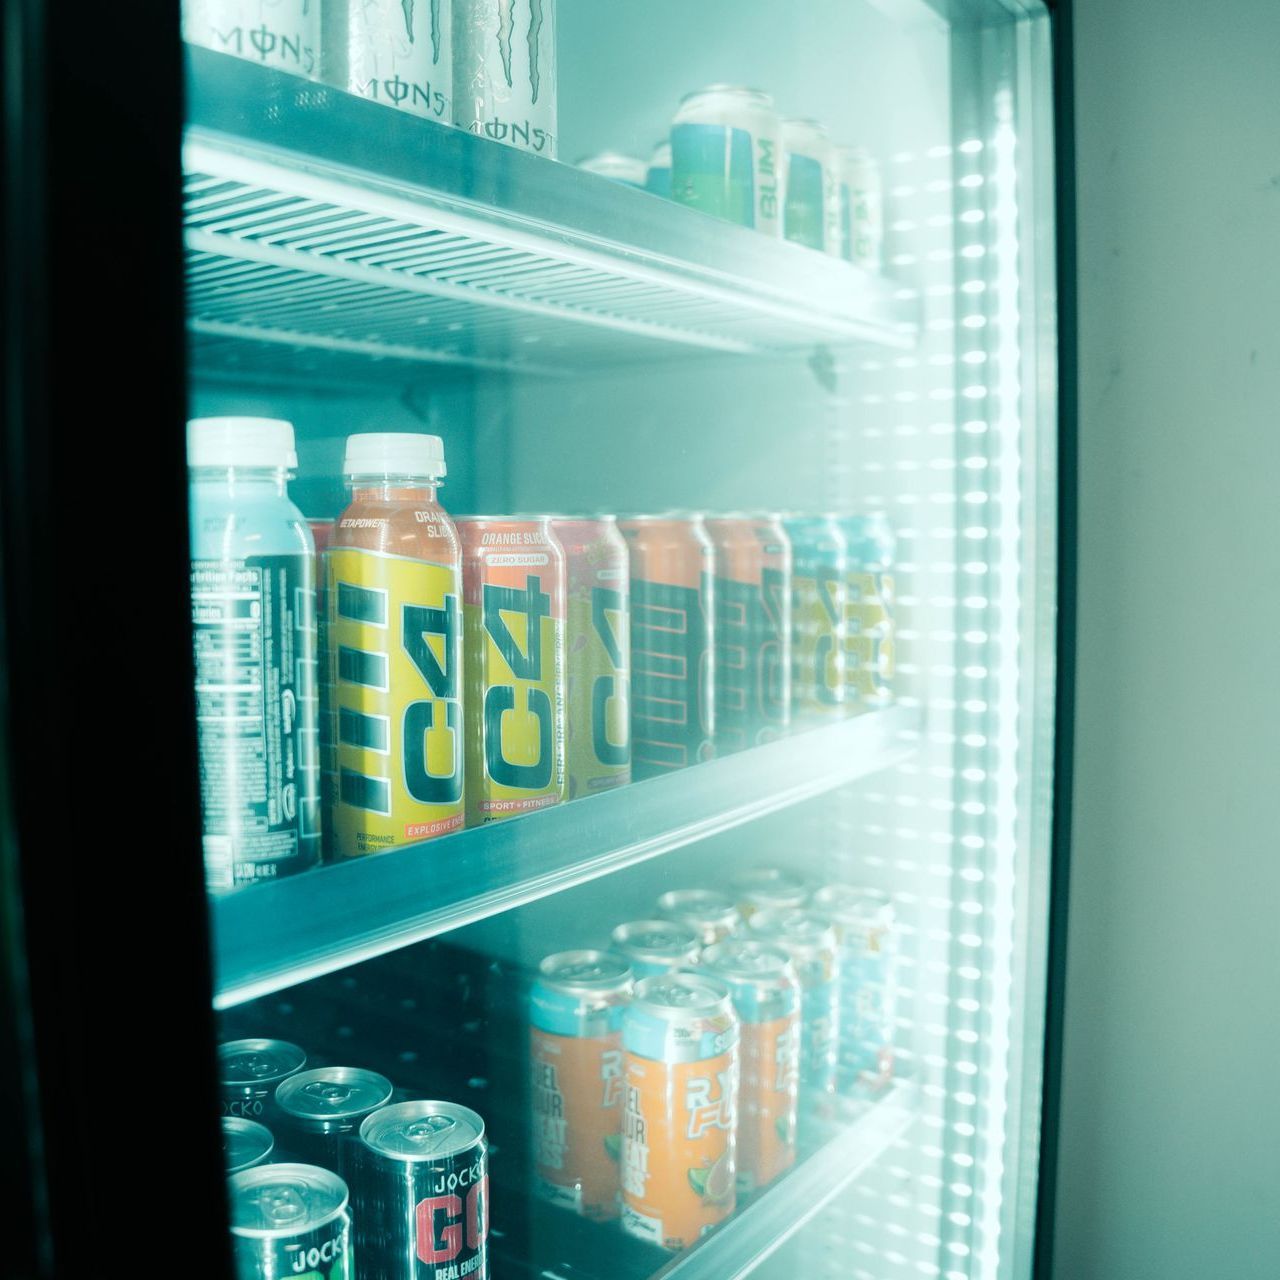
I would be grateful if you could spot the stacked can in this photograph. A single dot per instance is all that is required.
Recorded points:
(249, 1072)
(284, 34)
(598, 653)
(391, 52)
(576, 1013)
(711, 915)
(766, 997)
(819, 591)
(504, 71)
(672, 637)
(861, 206)
(753, 629)
(680, 1037)
(320, 1112)
(810, 185)
(654, 947)
(290, 1220)
(422, 1193)
(864, 921)
(769, 889)
(513, 628)
(810, 940)
(869, 636)
(245, 1143)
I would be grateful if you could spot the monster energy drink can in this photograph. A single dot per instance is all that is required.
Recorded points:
(504, 71)
(392, 51)
(284, 34)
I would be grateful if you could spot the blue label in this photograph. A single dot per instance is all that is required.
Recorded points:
(649, 1036)
(659, 182)
(866, 1014)
(561, 1014)
(819, 1035)
(712, 169)
(805, 215)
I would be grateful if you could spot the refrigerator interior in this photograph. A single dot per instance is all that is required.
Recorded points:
(947, 431)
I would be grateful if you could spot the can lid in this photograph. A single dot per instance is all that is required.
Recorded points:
(807, 122)
(655, 937)
(698, 905)
(848, 902)
(768, 880)
(759, 94)
(240, 442)
(422, 1130)
(674, 995)
(333, 1093)
(745, 958)
(585, 971)
(244, 1143)
(661, 157)
(394, 453)
(273, 1200)
(859, 155)
(258, 1061)
(806, 928)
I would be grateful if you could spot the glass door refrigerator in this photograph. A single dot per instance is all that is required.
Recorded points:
(531, 609)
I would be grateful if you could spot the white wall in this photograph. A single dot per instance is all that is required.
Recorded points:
(1171, 1106)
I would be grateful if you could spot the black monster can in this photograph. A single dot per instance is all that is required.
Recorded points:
(422, 1193)
(319, 1112)
(290, 1220)
(250, 1070)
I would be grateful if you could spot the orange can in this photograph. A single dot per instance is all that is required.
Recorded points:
(680, 1042)
(576, 1010)
(766, 996)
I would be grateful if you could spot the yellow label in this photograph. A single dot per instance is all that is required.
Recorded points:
(395, 661)
(869, 642)
(599, 711)
(818, 645)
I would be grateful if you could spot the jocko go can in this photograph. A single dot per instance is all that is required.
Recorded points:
(249, 1072)
(504, 71)
(819, 590)
(672, 639)
(598, 653)
(284, 34)
(290, 1220)
(245, 1143)
(710, 914)
(680, 1037)
(576, 1013)
(656, 946)
(753, 630)
(319, 1112)
(766, 996)
(422, 1193)
(513, 629)
(391, 51)
(726, 156)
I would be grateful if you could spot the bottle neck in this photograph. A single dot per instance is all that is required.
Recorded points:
(244, 480)
(393, 488)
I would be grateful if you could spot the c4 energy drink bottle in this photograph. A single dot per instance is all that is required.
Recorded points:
(394, 575)
(254, 623)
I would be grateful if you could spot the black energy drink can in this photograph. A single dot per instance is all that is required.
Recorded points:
(290, 1220)
(249, 1072)
(319, 1112)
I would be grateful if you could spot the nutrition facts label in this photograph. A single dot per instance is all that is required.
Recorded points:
(256, 707)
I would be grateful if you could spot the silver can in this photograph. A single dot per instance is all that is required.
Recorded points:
(245, 1143)
(711, 915)
(861, 205)
(769, 889)
(653, 947)
(811, 217)
(319, 1112)
(284, 34)
(249, 1072)
(397, 52)
(726, 156)
(290, 1220)
(504, 71)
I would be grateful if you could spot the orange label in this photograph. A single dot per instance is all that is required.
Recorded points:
(767, 1101)
(678, 1147)
(577, 1120)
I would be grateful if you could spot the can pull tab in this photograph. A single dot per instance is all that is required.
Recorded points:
(282, 1206)
(431, 1132)
(326, 1093)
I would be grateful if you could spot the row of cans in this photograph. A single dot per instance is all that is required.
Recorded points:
(403, 1185)
(487, 66)
(667, 1071)
(730, 155)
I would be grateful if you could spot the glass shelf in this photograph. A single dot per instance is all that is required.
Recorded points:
(316, 221)
(275, 935)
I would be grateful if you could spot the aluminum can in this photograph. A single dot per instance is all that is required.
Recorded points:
(614, 164)
(657, 179)
(422, 1193)
(576, 1010)
(753, 630)
(811, 942)
(320, 1112)
(865, 929)
(766, 997)
(769, 889)
(396, 52)
(726, 156)
(284, 34)
(654, 947)
(504, 71)
(869, 626)
(513, 635)
(245, 1143)
(861, 204)
(322, 535)
(711, 915)
(249, 1072)
(672, 642)
(680, 1037)
(819, 594)
(290, 1220)
(598, 653)
(811, 217)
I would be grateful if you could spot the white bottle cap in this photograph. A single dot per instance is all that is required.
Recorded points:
(394, 453)
(240, 442)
